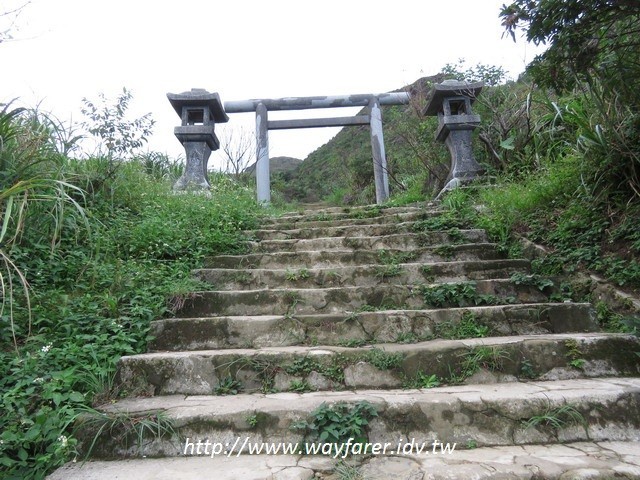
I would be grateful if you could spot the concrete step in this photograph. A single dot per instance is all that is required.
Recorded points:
(577, 460)
(345, 213)
(318, 209)
(324, 232)
(400, 241)
(322, 221)
(338, 258)
(288, 301)
(391, 365)
(545, 413)
(353, 328)
(364, 275)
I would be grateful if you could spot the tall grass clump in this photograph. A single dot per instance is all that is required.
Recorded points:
(92, 251)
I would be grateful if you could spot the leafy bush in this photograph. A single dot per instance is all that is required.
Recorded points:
(336, 424)
(104, 251)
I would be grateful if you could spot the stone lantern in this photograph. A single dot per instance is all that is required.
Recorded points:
(199, 111)
(451, 101)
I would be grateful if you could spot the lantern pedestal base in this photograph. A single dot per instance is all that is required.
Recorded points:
(195, 171)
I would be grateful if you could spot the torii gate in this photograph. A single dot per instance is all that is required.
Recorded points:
(200, 111)
(373, 119)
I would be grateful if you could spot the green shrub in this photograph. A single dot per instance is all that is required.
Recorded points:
(108, 252)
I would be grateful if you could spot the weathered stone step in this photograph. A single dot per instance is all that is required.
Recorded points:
(341, 231)
(340, 299)
(299, 368)
(364, 275)
(571, 461)
(329, 221)
(175, 334)
(400, 241)
(337, 258)
(602, 409)
(344, 213)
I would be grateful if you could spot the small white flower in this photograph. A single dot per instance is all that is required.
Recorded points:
(63, 440)
(46, 348)
(38, 380)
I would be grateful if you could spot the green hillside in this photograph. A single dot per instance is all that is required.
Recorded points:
(341, 170)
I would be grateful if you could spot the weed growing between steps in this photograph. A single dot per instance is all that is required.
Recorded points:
(384, 272)
(337, 424)
(468, 363)
(467, 327)
(489, 358)
(611, 321)
(332, 369)
(228, 386)
(538, 281)
(422, 380)
(553, 419)
(574, 354)
(345, 471)
(391, 258)
(125, 429)
(453, 365)
(462, 294)
(297, 275)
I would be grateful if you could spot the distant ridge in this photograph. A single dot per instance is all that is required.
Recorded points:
(278, 165)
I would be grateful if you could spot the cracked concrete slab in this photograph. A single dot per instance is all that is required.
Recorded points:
(583, 460)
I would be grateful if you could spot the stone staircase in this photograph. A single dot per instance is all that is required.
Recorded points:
(432, 335)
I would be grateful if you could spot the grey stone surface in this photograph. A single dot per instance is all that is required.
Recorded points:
(365, 375)
(198, 372)
(318, 381)
(397, 468)
(451, 102)
(263, 177)
(307, 103)
(199, 111)
(380, 175)
(489, 415)
(583, 460)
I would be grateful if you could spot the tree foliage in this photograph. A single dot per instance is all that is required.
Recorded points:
(238, 148)
(491, 75)
(587, 39)
(107, 122)
(594, 57)
(8, 19)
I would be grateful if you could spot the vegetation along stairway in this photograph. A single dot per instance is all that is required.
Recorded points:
(373, 325)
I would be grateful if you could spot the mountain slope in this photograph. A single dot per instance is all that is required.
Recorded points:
(343, 166)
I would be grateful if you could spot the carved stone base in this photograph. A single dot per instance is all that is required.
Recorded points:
(195, 171)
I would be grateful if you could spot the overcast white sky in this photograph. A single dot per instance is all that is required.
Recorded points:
(69, 49)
